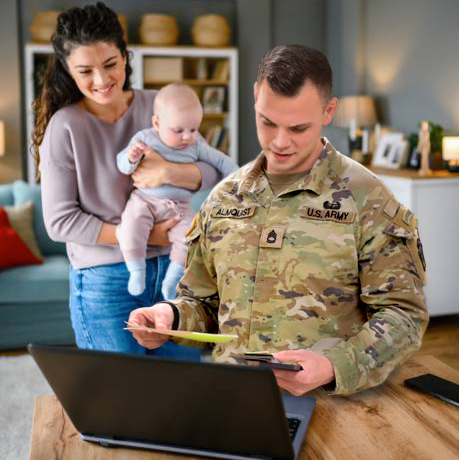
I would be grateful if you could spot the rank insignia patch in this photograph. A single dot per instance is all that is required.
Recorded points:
(271, 237)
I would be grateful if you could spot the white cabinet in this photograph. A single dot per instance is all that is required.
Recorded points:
(212, 72)
(435, 202)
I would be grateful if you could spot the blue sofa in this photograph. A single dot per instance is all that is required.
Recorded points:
(34, 298)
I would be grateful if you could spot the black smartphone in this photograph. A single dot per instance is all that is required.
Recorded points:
(280, 365)
(436, 387)
(268, 360)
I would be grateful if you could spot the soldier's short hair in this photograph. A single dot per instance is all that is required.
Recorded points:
(288, 68)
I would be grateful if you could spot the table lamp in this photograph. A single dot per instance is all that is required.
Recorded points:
(451, 152)
(2, 138)
(355, 113)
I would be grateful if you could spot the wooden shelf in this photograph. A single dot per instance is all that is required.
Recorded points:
(188, 81)
(412, 173)
(216, 115)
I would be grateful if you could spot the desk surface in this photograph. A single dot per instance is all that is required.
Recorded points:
(389, 421)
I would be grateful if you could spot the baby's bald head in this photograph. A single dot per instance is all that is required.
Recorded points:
(177, 96)
(177, 115)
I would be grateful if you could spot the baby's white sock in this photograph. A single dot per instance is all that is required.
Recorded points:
(137, 275)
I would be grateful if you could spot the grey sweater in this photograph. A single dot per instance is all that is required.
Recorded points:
(80, 182)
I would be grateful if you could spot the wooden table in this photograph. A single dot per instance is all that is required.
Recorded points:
(386, 422)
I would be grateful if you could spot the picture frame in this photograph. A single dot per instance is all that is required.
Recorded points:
(414, 161)
(382, 155)
(398, 154)
(213, 99)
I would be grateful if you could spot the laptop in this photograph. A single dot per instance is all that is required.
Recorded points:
(203, 409)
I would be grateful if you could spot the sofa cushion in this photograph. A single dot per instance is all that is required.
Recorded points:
(44, 283)
(23, 193)
(6, 195)
(14, 251)
(21, 219)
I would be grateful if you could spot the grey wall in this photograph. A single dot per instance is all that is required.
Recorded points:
(10, 92)
(412, 61)
(262, 25)
(346, 45)
(254, 32)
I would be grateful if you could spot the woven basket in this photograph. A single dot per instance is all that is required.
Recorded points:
(211, 30)
(43, 25)
(158, 30)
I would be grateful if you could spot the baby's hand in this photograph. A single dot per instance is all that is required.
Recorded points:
(136, 152)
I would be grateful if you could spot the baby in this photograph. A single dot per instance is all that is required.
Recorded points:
(177, 115)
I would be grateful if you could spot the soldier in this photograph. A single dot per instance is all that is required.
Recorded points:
(303, 252)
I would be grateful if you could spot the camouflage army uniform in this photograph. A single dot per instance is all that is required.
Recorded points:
(333, 263)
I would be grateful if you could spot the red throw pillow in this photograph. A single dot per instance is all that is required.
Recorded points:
(13, 251)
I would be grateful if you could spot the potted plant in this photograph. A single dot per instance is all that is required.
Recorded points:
(436, 137)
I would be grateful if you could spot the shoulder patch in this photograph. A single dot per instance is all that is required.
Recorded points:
(403, 224)
(194, 231)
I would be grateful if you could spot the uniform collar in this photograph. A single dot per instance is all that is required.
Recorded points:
(256, 181)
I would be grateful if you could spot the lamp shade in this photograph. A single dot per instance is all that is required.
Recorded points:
(451, 148)
(2, 138)
(355, 110)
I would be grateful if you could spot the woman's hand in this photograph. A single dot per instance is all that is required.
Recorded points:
(152, 171)
(159, 234)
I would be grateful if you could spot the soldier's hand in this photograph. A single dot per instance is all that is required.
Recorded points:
(317, 371)
(159, 316)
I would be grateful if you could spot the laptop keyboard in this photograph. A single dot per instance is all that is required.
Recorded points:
(293, 424)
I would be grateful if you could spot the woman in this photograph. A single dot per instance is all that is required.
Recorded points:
(86, 113)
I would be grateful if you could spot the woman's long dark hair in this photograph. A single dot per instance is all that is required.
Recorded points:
(75, 27)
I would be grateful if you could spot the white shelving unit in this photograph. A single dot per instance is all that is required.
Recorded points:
(228, 118)
(435, 202)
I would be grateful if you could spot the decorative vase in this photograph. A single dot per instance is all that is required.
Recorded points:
(158, 30)
(211, 30)
(43, 25)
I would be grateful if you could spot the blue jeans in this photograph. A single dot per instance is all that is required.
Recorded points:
(100, 304)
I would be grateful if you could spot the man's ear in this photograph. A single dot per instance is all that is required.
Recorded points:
(330, 110)
(255, 91)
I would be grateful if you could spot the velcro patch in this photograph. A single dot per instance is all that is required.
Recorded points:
(328, 214)
(271, 237)
(391, 209)
(234, 213)
(405, 218)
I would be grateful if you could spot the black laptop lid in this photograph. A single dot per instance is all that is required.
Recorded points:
(226, 408)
